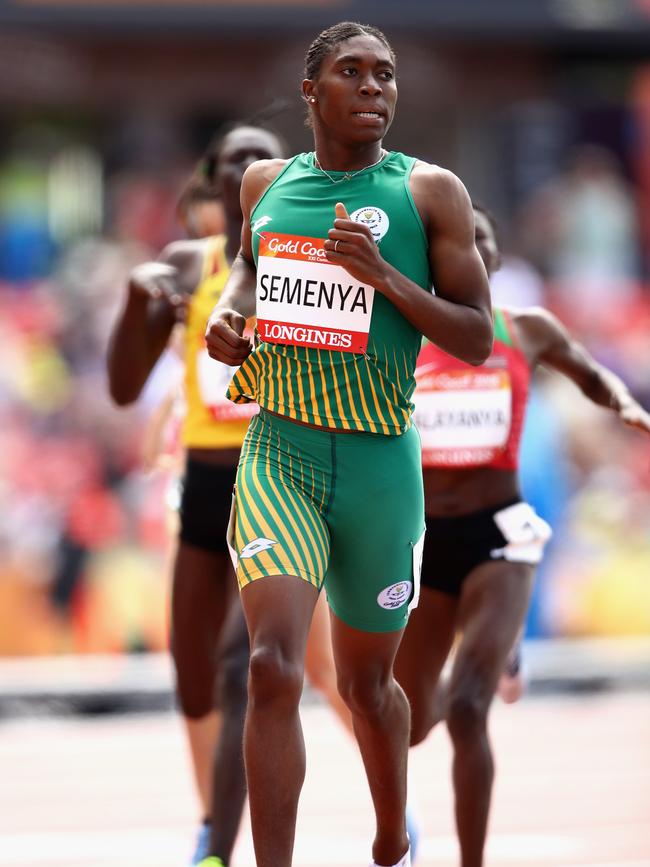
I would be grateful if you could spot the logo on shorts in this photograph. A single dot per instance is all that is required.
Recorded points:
(256, 547)
(395, 595)
(374, 218)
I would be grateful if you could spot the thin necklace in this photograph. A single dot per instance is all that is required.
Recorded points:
(347, 176)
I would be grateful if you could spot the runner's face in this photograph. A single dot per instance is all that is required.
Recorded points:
(355, 90)
(240, 148)
(486, 243)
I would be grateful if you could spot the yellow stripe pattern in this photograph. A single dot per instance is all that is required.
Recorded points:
(337, 390)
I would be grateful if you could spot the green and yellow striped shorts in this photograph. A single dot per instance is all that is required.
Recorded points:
(343, 510)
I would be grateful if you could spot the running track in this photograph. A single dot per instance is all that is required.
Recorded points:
(573, 788)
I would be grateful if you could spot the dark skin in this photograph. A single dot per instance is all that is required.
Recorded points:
(490, 611)
(352, 102)
(159, 291)
(359, 77)
(546, 342)
(210, 640)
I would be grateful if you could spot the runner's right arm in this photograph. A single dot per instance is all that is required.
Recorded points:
(154, 302)
(237, 302)
(552, 345)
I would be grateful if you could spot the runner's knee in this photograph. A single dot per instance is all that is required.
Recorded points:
(365, 693)
(274, 677)
(466, 715)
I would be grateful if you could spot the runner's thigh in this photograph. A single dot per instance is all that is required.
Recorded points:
(376, 520)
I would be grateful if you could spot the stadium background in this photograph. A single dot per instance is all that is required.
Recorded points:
(542, 108)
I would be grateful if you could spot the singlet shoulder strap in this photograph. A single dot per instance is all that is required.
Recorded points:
(503, 330)
(285, 169)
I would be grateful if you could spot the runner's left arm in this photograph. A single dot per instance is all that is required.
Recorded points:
(458, 317)
(555, 347)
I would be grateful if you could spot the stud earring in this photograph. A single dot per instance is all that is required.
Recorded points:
(312, 99)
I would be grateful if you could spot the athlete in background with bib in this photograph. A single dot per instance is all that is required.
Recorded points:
(209, 637)
(340, 249)
(482, 542)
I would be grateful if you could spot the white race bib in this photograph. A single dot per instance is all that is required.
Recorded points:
(463, 416)
(213, 378)
(525, 533)
(304, 300)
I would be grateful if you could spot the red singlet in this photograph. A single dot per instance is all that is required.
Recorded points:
(472, 416)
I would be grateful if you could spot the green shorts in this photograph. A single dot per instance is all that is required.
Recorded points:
(340, 510)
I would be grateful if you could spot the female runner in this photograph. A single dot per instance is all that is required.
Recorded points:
(340, 248)
(482, 542)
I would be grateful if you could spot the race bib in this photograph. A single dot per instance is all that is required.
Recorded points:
(463, 416)
(213, 379)
(304, 300)
(525, 533)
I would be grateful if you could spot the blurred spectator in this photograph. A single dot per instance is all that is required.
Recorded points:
(517, 284)
(82, 536)
(582, 231)
(26, 247)
(599, 581)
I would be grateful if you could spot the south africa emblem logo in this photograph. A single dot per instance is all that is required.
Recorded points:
(374, 218)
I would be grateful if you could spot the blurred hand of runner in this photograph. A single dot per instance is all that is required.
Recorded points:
(224, 339)
(157, 280)
(356, 250)
(634, 415)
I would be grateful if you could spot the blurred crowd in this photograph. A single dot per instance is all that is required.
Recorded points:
(83, 540)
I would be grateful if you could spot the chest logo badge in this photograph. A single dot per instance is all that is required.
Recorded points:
(374, 218)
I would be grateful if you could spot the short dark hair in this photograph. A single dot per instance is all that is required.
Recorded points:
(326, 41)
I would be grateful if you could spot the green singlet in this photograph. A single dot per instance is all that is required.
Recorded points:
(341, 510)
(333, 352)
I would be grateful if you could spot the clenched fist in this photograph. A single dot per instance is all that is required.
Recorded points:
(156, 280)
(224, 338)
